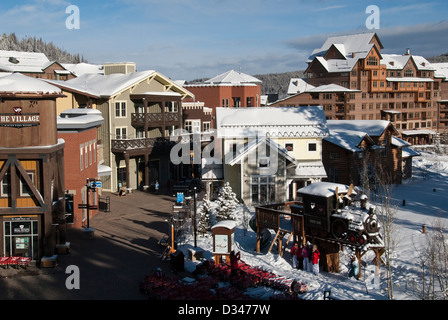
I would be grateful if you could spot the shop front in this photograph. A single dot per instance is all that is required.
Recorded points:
(21, 236)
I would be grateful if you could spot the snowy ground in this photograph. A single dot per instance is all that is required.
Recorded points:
(425, 201)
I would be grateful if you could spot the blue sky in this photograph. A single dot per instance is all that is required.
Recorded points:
(188, 39)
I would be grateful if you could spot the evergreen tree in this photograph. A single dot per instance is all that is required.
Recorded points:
(204, 223)
(226, 203)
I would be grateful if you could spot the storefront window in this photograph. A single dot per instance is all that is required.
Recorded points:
(21, 238)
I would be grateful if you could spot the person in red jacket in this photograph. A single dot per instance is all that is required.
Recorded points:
(315, 255)
(234, 258)
(295, 253)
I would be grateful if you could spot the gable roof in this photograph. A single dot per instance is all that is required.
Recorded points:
(358, 45)
(293, 122)
(107, 86)
(351, 49)
(16, 83)
(398, 62)
(298, 85)
(233, 77)
(374, 128)
(254, 144)
(348, 139)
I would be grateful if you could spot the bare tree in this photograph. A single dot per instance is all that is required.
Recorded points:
(433, 264)
(387, 213)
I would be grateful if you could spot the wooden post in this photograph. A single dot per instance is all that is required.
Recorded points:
(358, 256)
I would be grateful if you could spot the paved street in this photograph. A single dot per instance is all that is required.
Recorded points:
(123, 250)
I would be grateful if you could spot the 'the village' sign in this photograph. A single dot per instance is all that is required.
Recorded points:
(19, 119)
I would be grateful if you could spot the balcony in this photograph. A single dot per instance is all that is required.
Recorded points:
(154, 119)
(141, 146)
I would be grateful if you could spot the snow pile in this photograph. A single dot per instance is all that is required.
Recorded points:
(424, 203)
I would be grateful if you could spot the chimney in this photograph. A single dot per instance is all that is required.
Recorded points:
(119, 67)
(408, 52)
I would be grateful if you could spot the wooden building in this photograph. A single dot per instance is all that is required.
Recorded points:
(140, 110)
(33, 64)
(401, 88)
(362, 149)
(31, 168)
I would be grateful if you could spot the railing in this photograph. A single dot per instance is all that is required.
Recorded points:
(154, 117)
(121, 145)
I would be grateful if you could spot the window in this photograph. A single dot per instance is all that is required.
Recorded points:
(25, 190)
(120, 109)
(120, 133)
(171, 106)
(263, 189)
(372, 61)
(193, 126)
(6, 186)
(90, 154)
(312, 146)
(81, 158)
(206, 126)
(289, 146)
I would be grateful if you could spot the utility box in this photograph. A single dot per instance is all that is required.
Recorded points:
(223, 238)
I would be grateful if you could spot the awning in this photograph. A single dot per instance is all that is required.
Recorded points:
(307, 170)
(104, 170)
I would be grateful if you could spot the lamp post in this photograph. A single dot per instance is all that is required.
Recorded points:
(194, 215)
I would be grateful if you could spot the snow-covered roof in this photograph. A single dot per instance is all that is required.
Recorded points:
(347, 139)
(19, 83)
(295, 122)
(233, 77)
(228, 224)
(323, 189)
(79, 118)
(330, 88)
(308, 169)
(254, 144)
(398, 62)
(18, 61)
(354, 45)
(298, 85)
(79, 69)
(417, 132)
(441, 70)
(373, 128)
(103, 85)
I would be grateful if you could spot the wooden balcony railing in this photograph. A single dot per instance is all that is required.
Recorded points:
(139, 118)
(122, 145)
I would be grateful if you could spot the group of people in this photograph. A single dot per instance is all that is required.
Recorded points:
(305, 257)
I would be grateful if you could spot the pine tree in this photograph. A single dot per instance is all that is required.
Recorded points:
(205, 216)
(226, 203)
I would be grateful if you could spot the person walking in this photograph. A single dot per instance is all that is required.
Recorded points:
(300, 257)
(156, 187)
(315, 255)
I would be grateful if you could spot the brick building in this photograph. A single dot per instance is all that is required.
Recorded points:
(78, 128)
(353, 80)
(231, 89)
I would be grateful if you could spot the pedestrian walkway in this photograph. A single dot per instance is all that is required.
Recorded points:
(111, 265)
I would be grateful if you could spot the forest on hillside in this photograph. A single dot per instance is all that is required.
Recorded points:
(10, 42)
